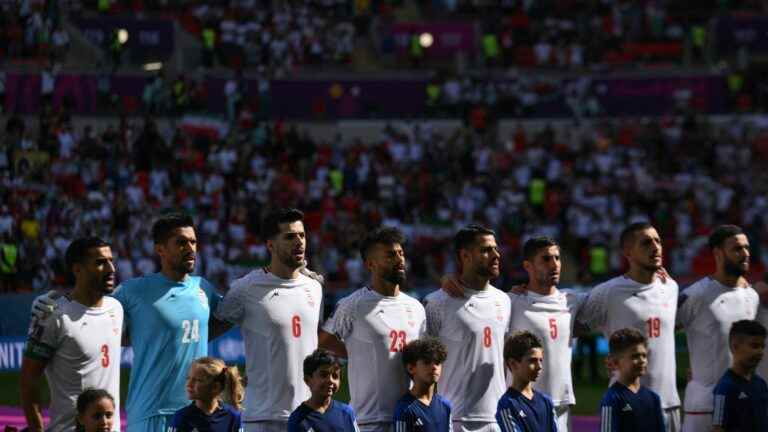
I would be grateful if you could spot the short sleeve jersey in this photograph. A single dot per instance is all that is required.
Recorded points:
(623, 410)
(339, 417)
(168, 326)
(551, 318)
(413, 415)
(651, 309)
(473, 329)
(191, 419)
(707, 310)
(762, 318)
(517, 413)
(740, 404)
(81, 348)
(375, 329)
(279, 321)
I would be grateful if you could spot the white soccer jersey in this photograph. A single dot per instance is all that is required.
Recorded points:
(473, 329)
(706, 311)
(375, 329)
(762, 318)
(278, 319)
(623, 303)
(81, 346)
(551, 318)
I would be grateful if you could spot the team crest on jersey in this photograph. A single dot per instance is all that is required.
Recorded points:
(409, 315)
(202, 297)
(310, 299)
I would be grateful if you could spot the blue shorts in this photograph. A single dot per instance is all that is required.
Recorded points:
(158, 423)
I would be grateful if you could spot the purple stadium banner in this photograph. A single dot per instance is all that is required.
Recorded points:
(448, 37)
(146, 37)
(742, 29)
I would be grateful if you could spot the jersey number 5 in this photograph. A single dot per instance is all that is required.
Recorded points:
(553, 328)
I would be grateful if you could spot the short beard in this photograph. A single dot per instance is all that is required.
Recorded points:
(288, 261)
(394, 277)
(486, 272)
(733, 269)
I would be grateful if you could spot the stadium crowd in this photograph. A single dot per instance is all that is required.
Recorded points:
(572, 181)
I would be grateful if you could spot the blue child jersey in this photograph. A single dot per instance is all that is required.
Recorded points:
(740, 405)
(190, 418)
(339, 417)
(167, 322)
(517, 413)
(622, 410)
(412, 415)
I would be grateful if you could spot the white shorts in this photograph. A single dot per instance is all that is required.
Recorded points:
(266, 426)
(475, 427)
(672, 419)
(563, 419)
(697, 421)
(376, 427)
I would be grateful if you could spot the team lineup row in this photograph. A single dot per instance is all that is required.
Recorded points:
(168, 318)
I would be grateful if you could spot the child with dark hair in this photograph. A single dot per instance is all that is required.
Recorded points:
(95, 411)
(741, 396)
(627, 405)
(321, 413)
(521, 408)
(422, 409)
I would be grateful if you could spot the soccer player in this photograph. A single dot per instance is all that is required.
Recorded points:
(472, 328)
(640, 300)
(278, 311)
(78, 345)
(550, 315)
(373, 325)
(522, 408)
(706, 310)
(741, 397)
(628, 406)
(421, 409)
(321, 413)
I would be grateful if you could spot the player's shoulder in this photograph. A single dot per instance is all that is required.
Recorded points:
(700, 288)
(726, 384)
(308, 282)
(610, 397)
(230, 410)
(410, 300)
(436, 296)
(112, 303)
(404, 405)
(344, 408)
(444, 401)
(499, 294)
(547, 400)
(351, 299)
(185, 412)
(298, 414)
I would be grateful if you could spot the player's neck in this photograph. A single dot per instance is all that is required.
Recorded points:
(641, 275)
(385, 288)
(87, 298)
(540, 289)
(423, 392)
(173, 274)
(633, 384)
(320, 403)
(523, 386)
(207, 407)
(282, 271)
(729, 280)
(742, 371)
(474, 281)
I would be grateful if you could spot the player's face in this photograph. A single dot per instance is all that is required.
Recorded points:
(324, 381)
(97, 270)
(646, 250)
(179, 252)
(483, 257)
(387, 262)
(427, 372)
(289, 245)
(199, 384)
(735, 255)
(633, 362)
(545, 267)
(530, 366)
(748, 351)
(98, 416)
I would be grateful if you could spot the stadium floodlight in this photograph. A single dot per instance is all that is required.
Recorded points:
(122, 36)
(154, 66)
(426, 40)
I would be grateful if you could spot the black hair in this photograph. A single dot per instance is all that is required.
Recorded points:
(519, 344)
(746, 328)
(383, 236)
(628, 234)
(467, 236)
(625, 338)
(77, 251)
(163, 227)
(721, 233)
(318, 359)
(270, 225)
(428, 349)
(89, 396)
(535, 244)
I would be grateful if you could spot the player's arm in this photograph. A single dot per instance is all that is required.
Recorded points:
(217, 327)
(29, 391)
(721, 409)
(331, 343)
(507, 421)
(609, 420)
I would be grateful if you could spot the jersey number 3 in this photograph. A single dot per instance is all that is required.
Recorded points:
(105, 355)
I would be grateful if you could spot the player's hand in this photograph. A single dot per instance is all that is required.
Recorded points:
(519, 289)
(309, 273)
(44, 304)
(452, 286)
(663, 275)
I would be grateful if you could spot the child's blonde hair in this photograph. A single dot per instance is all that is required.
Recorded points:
(227, 376)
